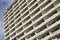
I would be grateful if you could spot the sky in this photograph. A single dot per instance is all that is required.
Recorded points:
(4, 4)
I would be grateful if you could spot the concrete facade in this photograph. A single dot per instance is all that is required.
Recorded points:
(32, 20)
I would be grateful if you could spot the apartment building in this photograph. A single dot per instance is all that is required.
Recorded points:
(32, 20)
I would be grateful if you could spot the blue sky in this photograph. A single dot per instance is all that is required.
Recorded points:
(4, 4)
